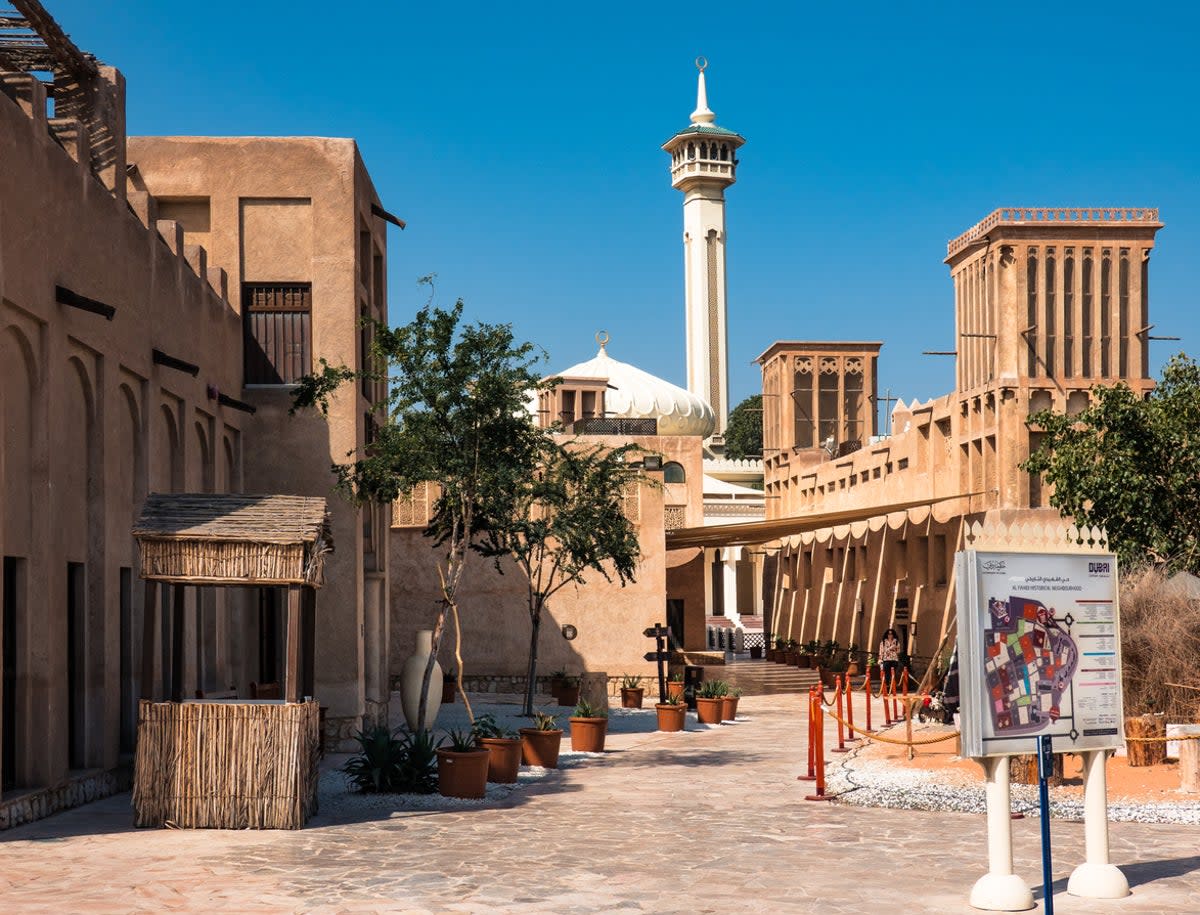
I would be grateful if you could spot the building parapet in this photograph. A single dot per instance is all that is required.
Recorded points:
(1053, 216)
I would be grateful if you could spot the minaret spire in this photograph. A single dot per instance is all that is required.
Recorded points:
(703, 164)
(703, 114)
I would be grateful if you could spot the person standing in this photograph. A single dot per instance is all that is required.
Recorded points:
(889, 656)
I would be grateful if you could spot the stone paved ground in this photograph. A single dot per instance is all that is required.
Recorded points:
(696, 823)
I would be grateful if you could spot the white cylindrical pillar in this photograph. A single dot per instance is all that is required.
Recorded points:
(1096, 878)
(999, 890)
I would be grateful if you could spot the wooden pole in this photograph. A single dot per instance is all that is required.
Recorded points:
(150, 611)
(177, 613)
(292, 640)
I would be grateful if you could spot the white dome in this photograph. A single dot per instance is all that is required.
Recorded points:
(635, 394)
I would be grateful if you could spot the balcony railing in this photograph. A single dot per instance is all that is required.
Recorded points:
(614, 425)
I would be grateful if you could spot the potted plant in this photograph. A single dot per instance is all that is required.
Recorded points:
(462, 766)
(780, 649)
(589, 726)
(448, 683)
(568, 692)
(558, 680)
(672, 714)
(804, 657)
(675, 685)
(852, 659)
(832, 669)
(632, 691)
(729, 704)
(790, 653)
(540, 743)
(504, 749)
(709, 701)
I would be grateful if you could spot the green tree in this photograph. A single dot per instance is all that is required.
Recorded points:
(1131, 466)
(744, 434)
(567, 520)
(455, 414)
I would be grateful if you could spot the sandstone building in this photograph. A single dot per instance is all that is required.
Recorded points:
(158, 296)
(1047, 304)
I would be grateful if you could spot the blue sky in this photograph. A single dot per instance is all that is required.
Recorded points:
(521, 143)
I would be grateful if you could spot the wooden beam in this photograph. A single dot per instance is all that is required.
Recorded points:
(171, 362)
(226, 401)
(291, 678)
(377, 210)
(150, 613)
(64, 50)
(177, 654)
(65, 296)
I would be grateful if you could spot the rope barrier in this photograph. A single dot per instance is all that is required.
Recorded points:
(878, 735)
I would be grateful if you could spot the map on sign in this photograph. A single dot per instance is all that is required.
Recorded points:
(1031, 659)
(1039, 651)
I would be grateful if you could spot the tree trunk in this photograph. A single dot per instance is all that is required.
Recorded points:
(1023, 770)
(1147, 753)
(1189, 766)
(535, 619)
(439, 627)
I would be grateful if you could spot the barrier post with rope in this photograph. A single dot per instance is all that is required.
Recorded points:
(895, 702)
(812, 743)
(908, 712)
(867, 694)
(818, 714)
(849, 710)
(841, 747)
(883, 692)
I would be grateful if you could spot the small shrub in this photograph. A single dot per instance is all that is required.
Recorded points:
(544, 721)
(486, 726)
(461, 741)
(629, 681)
(393, 762)
(713, 689)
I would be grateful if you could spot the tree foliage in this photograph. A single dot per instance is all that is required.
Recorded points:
(454, 413)
(744, 434)
(567, 520)
(1131, 466)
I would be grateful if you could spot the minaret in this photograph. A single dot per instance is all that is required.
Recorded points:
(703, 164)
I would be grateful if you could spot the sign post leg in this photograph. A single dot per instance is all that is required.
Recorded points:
(1045, 765)
(1096, 878)
(999, 890)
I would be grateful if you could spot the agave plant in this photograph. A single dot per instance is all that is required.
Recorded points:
(393, 762)
(712, 689)
(630, 681)
(543, 721)
(585, 709)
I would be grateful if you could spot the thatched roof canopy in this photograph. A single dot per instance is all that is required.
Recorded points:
(233, 539)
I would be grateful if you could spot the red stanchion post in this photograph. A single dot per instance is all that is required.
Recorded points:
(895, 702)
(887, 707)
(841, 715)
(812, 740)
(867, 693)
(819, 714)
(849, 710)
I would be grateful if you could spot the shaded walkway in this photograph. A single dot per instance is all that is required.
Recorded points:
(702, 822)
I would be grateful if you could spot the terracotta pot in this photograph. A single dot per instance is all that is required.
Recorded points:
(540, 748)
(708, 711)
(448, 689)
(771, 654)
(504, 758)
(556, 685)
(587, 734)
(675, 688)
(568, 694)
(462, 774)
(670, 717)
(729, 708)
(805, 661)
(631, 697)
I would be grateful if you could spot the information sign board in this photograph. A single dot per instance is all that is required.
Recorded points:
(1039, 651)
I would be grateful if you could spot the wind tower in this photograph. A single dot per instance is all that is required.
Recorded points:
(703, 164)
